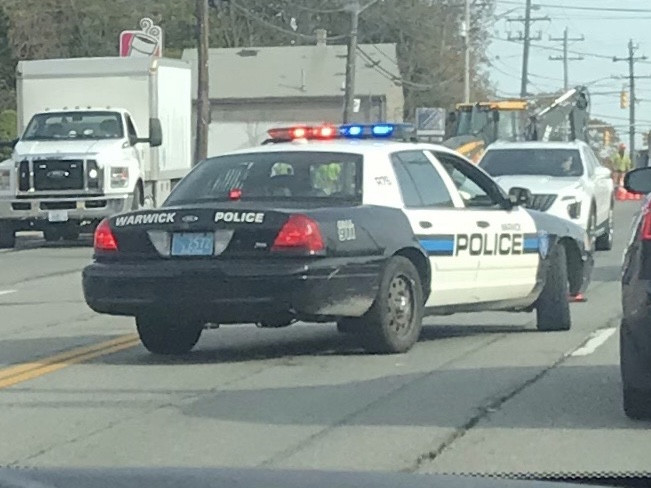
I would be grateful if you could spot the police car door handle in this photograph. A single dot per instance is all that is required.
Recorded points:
(424, 224)
(483, 224)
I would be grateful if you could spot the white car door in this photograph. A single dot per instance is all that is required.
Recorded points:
(432, 207)
(505, 240)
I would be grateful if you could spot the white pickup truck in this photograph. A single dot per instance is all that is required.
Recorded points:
(99, 136)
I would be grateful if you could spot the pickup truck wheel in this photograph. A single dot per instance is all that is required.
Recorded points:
(136, 203)
(161, 334)
(394, 322)
(605, 240)
(52, 234)
(7, 236)
(553, 306)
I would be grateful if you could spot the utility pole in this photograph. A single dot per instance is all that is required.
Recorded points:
(631, 59)
(203, 93)
(565, 57)
(351, 57)
(526, 38)
(466, 37)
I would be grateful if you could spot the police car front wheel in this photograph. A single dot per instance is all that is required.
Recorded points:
(168, 335)
(394, 322)
(553, 307)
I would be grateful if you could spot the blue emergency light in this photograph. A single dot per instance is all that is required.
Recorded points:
(345, 131)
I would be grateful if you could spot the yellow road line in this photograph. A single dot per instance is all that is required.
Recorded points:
(23, 372)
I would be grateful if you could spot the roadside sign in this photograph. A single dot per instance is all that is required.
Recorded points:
(430, 121)
(148, 41)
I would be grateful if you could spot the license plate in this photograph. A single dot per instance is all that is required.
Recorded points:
(193, 244)
(57, 216)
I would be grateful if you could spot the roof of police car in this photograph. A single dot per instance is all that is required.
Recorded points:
(354, 146)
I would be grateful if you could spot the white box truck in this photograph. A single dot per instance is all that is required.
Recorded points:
(99, 136)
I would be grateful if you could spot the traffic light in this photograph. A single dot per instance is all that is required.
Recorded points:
(606, 137)
(623, 99)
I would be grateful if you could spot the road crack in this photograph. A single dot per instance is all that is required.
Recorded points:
(496, 404)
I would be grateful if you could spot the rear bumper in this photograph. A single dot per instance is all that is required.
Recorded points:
(237, 291)
(33, 213)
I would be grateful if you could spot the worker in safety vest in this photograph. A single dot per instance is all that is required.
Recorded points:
(621, 165)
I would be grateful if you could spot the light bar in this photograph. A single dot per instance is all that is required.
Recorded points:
(346, 131)
(303, 132)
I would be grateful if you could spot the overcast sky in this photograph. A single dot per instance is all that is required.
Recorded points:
(606, 33)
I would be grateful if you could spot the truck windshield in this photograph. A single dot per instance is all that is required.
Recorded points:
(55, 126)
(273, 175)
(546, 162)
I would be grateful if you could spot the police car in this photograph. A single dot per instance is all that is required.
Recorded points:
(354, 224)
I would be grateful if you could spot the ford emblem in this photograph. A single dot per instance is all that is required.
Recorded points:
(58, 174)
(189, 218)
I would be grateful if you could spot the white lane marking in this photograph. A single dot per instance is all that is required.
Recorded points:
(7, 292)
(598, 338)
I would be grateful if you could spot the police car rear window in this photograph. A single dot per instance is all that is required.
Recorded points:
(546, 162)
(290, 176)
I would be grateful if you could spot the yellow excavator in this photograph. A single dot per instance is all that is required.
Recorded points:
(474, 126)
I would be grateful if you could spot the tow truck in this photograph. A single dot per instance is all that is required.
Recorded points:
(473, 127)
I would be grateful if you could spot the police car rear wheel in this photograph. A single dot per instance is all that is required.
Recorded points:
(162, 334)
(394, 322)
(553, 307)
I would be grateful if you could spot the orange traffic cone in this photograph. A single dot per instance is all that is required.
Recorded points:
(578, 298)
(620, 193)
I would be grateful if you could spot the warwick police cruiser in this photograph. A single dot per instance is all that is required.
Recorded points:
(355, 224)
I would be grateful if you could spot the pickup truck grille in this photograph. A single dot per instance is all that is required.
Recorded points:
(542, 202)
(58, 175)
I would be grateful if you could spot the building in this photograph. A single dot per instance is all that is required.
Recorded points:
(253, 89)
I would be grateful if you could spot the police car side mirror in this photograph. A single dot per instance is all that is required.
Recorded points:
(520, 196)
(638, 180)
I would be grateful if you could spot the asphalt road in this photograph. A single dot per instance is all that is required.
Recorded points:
(480, 393)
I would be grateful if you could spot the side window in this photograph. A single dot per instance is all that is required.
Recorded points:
(591, 162)
(131, 130)
(420, 183)
(475, 188)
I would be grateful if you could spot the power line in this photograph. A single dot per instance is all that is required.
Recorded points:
(631, 59)
(526, 38)
(566, 57)
(594, 9)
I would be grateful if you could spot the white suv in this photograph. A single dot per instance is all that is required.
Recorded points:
(565, 178)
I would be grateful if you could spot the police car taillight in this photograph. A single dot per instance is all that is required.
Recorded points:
(104, 240)
(300, 233)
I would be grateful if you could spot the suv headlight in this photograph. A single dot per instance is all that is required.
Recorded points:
(5, 179)
(119, 177)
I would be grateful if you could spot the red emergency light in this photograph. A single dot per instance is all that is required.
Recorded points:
(321, 132)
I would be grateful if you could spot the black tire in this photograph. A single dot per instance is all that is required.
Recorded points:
(394, 322)
(635, 364)
(592, 225)
(136, 203)
(7, 236)
(350, 326)
(605, 240)
(162, 334)
(71, 233)
(637, 404)
(52, 234)
(553, 306)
